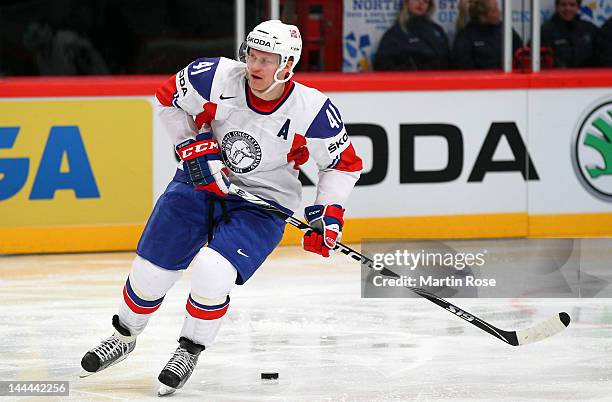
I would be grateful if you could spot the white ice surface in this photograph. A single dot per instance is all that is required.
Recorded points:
(303, 317)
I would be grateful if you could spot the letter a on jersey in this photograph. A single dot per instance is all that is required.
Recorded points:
(284, 131)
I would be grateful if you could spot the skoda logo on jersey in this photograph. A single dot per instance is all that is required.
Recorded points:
(592, 151)
(241, 152)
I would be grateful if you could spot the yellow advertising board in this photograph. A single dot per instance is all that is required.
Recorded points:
(75, 175)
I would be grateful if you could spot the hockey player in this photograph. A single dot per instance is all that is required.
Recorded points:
(249, 124)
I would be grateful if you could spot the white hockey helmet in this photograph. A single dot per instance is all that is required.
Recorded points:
(275, 37)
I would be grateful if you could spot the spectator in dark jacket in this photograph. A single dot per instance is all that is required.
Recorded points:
(414, 42)
(605, 43)
(571, 39)
(479, 44)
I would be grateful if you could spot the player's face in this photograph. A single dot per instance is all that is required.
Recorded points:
(493, 14)
(418, 7)
(567, 9)
(261, 67)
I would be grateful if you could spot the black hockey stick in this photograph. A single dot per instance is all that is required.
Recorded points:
(543, 330)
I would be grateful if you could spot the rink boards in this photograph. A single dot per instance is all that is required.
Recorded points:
(445, 156)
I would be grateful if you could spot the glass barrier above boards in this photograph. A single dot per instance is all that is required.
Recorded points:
(426, 35)
(114, 37)
(575, 34)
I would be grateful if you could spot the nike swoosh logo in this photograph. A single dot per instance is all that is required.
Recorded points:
(239, 251)
(226, 97)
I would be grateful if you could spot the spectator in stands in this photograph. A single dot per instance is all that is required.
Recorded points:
(479, 44)
(414, 42)
(62, 51)
(571, 39)
(463, 15)
(605, 43)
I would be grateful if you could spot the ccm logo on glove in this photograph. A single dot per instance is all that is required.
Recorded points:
(202, 161)
(189, 151)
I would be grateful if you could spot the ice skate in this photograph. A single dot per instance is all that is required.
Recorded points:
(111, 351)
(180, 366)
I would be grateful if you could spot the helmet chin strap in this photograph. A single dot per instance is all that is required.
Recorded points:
(277, 81)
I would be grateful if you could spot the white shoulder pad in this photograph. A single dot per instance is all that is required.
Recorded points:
(195, 83)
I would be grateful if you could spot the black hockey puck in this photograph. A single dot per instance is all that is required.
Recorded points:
(269, 376)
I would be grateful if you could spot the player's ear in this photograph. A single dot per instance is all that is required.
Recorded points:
(288, 66)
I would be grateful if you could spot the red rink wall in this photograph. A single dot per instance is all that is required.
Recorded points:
(441, 152)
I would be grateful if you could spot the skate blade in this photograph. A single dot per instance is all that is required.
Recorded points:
(84, 373)
(165, 390)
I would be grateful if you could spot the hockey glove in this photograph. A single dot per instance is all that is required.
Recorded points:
(327, 221)
(201, 160)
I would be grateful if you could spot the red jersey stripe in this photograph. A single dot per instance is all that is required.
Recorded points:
(207, 116)
(165, 93)
(349, 161)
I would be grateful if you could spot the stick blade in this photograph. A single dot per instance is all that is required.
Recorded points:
(546, 329)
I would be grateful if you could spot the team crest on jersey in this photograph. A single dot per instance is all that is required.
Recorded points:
(241, 152)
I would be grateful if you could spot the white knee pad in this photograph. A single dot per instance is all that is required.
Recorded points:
(213, 276)
(150, 281)
(143, 293)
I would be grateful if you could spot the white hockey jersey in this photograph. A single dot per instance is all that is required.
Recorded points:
(258, 144)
